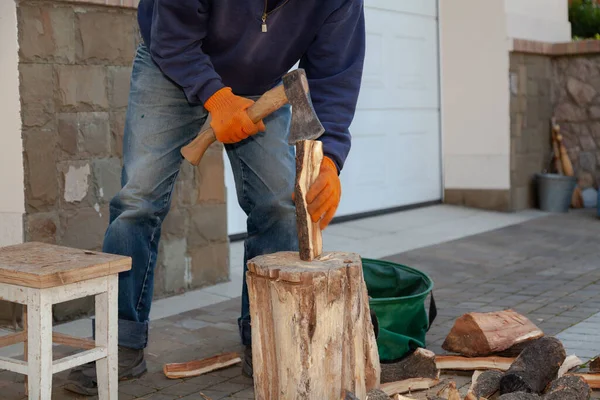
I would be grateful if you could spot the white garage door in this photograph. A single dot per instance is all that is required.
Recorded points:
(395, 156)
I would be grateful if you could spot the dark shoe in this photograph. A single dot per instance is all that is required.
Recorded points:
(247, 362)
(83, 380)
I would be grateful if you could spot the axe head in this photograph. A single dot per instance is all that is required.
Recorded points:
(305, 124)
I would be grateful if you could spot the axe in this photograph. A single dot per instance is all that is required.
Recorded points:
(305, 124)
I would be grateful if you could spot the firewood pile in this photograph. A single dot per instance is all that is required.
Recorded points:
(506, 356)
(509, 357)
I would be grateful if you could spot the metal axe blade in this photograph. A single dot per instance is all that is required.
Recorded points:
(305, 124)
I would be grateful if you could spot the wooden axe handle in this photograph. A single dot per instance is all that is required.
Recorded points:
(564, 157)
(268, 103)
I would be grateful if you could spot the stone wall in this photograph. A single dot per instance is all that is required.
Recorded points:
(560, 80)
(577, 110)
(75, 63)
(530, 116)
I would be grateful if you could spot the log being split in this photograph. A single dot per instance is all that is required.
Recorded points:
(535, 367)
(309, 154)
(483, 334)
(419, 364)
(312, 335)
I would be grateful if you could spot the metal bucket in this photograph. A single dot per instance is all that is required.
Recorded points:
(555, 192)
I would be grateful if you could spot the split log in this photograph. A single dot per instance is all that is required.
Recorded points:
(312, 332)
(592, 379)
(519, 396)
(595, 365)
(458, 363)
(570, 362)
(568, 387)
(309, 154)
(199, 367)
(408, 385)
(419, 364)
(535, 367)
(484, 384)
(377, 394)
(482, 334)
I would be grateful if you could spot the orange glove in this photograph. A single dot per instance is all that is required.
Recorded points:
(324, 194)
(230, 120)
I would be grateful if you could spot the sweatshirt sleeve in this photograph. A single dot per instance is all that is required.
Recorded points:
(178, 28)
(333, 64)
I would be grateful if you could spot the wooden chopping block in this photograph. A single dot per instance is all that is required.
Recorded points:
(312, 335)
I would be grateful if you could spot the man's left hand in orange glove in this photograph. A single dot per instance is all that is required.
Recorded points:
(324, 194)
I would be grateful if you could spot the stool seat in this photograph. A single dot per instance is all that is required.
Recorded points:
(39, 275)
(41, 265)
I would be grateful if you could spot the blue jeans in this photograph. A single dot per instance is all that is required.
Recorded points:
(159, 122)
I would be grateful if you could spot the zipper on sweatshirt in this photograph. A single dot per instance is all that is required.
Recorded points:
(266, 14)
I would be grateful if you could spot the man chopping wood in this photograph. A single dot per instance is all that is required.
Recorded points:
(218, 56)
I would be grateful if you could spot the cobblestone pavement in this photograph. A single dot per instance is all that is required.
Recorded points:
(547, 269)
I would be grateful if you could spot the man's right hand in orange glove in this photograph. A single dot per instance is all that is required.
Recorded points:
(230, 120)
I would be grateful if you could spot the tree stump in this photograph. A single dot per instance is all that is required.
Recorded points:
(312, 335)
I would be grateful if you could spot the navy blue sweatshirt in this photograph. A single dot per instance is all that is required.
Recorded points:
(204, 45)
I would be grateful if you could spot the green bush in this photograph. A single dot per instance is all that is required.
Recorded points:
(584, 16)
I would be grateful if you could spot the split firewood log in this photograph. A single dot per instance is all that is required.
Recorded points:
(419, 364)
(459, 363)
(568, 387)
(484, 384)
(519, 396)
(482, 334)
(535, 367)
(408, 385)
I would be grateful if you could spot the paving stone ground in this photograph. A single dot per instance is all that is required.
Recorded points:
(548, 269)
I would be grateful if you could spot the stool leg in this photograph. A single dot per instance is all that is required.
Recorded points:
(39, 345)
(106, 336)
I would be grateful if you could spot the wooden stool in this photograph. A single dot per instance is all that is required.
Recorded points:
(38, 275)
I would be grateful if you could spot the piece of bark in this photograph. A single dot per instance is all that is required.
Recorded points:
(377, 394)
(484, 384)
(535, 367)
(482, 334)
(419, 364)
(519, 396)
(570, 362)
(398, 396)
(312, 335)
(408, 385)
(595, 365)
(199, 367)
(592, 379)
(309, 154)
(568, 387)
(459, 363)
